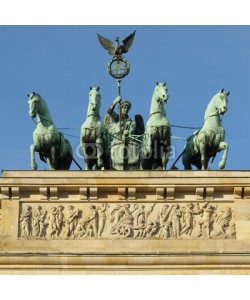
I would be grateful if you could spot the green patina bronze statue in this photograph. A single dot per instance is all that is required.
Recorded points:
(123, 121)
(125, 132)
(116, 49)
(205, 143)
(51, 145)
(125, 136)
(156, 145)
(94, 138)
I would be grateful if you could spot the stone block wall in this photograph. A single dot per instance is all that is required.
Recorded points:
(129, 222)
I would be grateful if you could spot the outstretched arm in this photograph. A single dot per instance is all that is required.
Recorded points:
(111, 112)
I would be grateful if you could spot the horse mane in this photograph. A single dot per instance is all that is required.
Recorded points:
(45, 107)
(207, 111)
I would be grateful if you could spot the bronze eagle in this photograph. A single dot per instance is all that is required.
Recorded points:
(116, 49)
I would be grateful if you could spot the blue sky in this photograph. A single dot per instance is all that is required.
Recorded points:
(62, 62)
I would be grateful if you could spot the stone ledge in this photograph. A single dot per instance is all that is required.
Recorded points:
(185, 263)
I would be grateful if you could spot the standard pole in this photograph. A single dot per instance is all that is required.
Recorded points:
(120, 109)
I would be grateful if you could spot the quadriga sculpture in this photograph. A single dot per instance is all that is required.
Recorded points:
(157, 139)
(205, 143)
(94, 138)
(51, 145)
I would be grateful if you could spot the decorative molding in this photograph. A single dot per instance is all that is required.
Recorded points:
(53, 193)
(199, 193)
(121, 193)
(170, 193)
(15, 193)
(209, 193)
(238, 192)
(246, 192)
(160, 193)
(83, 191)
(131, 193)
(5, 193)
(1, 225)
(93, 193)
(43, 193)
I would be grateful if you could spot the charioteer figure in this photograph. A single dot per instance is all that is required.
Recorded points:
(123, 123)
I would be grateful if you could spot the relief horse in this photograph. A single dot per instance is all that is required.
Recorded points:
(205, 143)
(156, 144)
(94, 139)
(51, 145)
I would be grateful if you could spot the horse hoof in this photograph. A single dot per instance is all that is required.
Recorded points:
(34, 166)
(100, 163)
(221, 165)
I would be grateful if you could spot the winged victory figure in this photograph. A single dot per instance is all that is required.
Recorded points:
(116, 49)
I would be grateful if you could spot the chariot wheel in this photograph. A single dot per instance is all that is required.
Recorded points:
(124, 231)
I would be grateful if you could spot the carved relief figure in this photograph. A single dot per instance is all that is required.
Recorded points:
(56, 220)
(124, 220)
(152, 229)
(71, 221)
(208, 211)
(102, 218)
(80, 230)
(91, 222)
(141, 218)
(39, 222)
(175, 220)
(164, 221)
(25, 222)
(59, 219)
(52, 218)
(188, 219)
(222, 225)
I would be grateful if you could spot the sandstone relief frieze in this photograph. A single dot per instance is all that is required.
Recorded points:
(129, 220)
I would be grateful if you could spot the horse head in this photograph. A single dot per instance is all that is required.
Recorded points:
(160, 97)
(38, 108)
(94, 101)
(34, 104)
(160, 92)
(221, 101)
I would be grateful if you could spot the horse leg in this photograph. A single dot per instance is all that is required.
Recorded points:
(223, 146)
(203, 155)
(99, 153)
(54, 161)
(165, 138)
(86, 157)
(84, 145)
(187, 166)
(165, 158)
(34, 148)
(65, 151)
(148, 143)
(186, 159)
